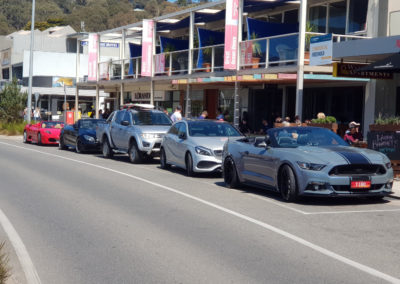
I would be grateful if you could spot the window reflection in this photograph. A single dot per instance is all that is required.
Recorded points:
(357, 15)
(317, 18)
(337, 17)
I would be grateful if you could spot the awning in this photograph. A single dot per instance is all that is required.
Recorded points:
(389, 64)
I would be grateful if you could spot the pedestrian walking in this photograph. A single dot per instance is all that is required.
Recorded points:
(177, 114)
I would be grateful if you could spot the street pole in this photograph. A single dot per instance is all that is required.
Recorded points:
(31, 63)
(65, 104)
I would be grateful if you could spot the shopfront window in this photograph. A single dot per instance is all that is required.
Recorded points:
(226, 103)
(277, 18)
(357, 15)
(317, 18)
(291, 17)
(337, 17)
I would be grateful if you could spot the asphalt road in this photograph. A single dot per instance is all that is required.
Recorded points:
(85, 219)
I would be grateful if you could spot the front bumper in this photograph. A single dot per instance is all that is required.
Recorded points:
(50, 139)
(150, 146)
(206, 164)
(322, 184)
(91, 146)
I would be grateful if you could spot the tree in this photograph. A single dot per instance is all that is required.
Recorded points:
(17, 12)
(47, 9)
(12, 102)
(4, 27)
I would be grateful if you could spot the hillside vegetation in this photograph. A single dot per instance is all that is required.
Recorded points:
(97, 15)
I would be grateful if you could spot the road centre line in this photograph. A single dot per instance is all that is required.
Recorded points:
(326, 252)
(25, 260)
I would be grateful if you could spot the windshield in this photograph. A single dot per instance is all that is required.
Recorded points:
(150, 118)
(294, 137)
(52, 124)
(212, 129)
(89, 123)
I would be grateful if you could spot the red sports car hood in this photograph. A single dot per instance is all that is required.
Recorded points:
(53, 131)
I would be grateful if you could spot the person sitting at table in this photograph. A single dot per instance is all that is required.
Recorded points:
(352, 134)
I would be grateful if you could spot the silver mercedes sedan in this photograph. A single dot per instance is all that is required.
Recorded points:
(306, 161)
(196, 145)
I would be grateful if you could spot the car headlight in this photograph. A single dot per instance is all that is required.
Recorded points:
(388, 165)
(311, 166)
(150, 135)
(48, 131)
(203, 151)
(89, 138)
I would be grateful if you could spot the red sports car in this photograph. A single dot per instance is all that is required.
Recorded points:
(44, 132)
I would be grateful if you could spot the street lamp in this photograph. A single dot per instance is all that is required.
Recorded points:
(31, 63)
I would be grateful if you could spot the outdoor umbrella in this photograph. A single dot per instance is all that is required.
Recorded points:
(389, 64)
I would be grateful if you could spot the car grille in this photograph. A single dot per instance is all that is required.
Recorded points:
(348, 188)
(350, 170)
(206, 164)
(157, 145)
(218, 153)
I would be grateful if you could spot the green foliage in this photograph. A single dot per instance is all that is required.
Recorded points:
(12, 103)
(12, 128)
(45, 25)
(326, 120)
(256, 45)
(98, 15)
(392, 120)
(311, 29)
(4, 268)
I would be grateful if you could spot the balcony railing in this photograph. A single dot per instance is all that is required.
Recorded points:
(279, 50)
(112, 69)
(208, 59)
(171, 63)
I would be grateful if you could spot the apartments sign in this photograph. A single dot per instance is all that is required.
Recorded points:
(231, 34)
(321, 50)
(147, 47)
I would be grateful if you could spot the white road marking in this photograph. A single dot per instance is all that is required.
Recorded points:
(326, 252)
(25, 260)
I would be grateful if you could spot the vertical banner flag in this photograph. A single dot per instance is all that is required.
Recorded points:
(321, 50)
(231, 34)
(92, 51)
(147, 47)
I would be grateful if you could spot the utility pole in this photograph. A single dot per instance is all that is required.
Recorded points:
(31, 63)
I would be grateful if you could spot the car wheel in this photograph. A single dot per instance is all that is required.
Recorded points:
(107, 151)
(135, 156)
(39, 139)
(287, 184)
(25, 137)
(163, 160)
(61, 144)
(189, 165)
(79, 146)
(231, 178)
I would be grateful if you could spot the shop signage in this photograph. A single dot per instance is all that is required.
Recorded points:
(287, 76)
(147, 47)
(92, 51)
(350, 70)
(321, 50)
(63, 81)
(231, 34)
(103, 44)
(139, 96)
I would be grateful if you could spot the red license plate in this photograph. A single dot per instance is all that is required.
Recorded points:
(361, 184)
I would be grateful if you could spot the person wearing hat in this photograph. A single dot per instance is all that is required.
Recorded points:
(353, 135)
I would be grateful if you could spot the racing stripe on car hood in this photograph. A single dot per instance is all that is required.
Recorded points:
(350, 155)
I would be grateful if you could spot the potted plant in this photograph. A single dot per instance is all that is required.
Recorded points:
(310, 28)
(257, 52)
(167, 50)
(208, 53)
(386, 124)
(325, 122)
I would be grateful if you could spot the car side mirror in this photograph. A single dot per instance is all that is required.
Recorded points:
(182, 135)
(125, 123)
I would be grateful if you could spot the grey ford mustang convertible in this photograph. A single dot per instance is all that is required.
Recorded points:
(306, 161)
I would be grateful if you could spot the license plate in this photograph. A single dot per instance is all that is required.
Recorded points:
(361, 184)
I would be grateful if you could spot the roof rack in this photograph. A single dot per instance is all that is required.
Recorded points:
(137, 106)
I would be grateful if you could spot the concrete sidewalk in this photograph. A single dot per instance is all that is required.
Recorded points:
(396, 189)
